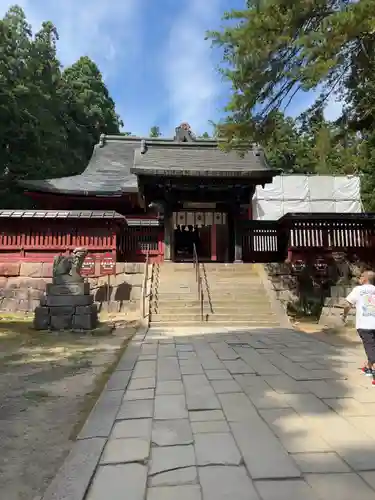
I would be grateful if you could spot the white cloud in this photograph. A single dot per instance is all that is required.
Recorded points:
(333, 109)
(87, 27)
(304, 100)
(190, 76)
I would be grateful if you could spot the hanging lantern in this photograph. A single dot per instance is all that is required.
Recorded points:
(199, 219)
(181, 218)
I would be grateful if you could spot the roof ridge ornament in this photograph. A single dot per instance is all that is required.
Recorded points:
(102, 140)
(184, 133)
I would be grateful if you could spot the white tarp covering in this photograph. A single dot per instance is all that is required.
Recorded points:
(307, 194)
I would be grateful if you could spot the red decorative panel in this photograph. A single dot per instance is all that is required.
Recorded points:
(88, 266)
(107, 264)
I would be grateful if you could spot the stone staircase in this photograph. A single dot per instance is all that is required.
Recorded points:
(233, 295)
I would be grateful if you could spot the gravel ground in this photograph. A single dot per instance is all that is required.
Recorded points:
(48, 384)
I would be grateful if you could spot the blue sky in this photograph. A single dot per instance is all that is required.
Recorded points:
(153, 56)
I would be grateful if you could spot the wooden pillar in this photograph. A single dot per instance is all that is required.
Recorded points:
(237, 239)
(214, 242)
(168, 236)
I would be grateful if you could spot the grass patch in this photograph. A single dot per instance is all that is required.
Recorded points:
(36, 396)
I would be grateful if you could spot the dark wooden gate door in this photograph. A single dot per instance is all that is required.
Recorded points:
(135, 242)
(260, 241)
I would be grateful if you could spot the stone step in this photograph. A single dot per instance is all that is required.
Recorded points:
(234, 279)
(249, 324)
(171, 287)
(218, 302)
(212, 317)
(208, 265)
(191, 272)
(206, 311)
(214, 296)
(211, 286)
(253, 301)
(236, 292)
(226, 274)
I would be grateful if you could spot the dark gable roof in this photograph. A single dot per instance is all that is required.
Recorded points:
(116, 161)
(107, 174)
(197, 158)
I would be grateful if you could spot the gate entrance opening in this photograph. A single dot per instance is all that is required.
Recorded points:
(185, 237)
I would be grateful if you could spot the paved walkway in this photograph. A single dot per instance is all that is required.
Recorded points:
(223, 414)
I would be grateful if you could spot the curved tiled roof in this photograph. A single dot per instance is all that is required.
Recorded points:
(116, 160)
(197, 158)
(107, 174)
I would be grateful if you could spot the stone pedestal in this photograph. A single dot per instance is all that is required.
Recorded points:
(67, 306)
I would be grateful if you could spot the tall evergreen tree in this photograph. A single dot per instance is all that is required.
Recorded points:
(49, 119)
(277, 48)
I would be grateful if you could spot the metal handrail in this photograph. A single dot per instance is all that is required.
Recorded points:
(207, 289)
(144, 285)
(198, 278)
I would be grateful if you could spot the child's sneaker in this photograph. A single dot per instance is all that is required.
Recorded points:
(367, 371)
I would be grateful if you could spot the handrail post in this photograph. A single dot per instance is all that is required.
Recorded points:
(145, 282)
(202, 299)
(198, 279)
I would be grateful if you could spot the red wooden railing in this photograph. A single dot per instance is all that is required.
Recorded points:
(332, 235)
(20, 242)
(262, 241)
(269, 241)
(67, 239)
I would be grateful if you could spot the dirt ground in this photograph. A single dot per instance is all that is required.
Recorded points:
(48, 385)
(335, 336)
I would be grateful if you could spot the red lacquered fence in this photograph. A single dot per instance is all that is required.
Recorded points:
(270, 241)
(27, 242)
(41, 238)
(50, 239)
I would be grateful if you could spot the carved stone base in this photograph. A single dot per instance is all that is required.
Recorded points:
(67, 306)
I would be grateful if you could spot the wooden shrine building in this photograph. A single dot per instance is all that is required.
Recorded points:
(161, 197)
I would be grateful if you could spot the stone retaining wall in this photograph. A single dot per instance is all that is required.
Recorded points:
(342, 272)
(22, 284)
(334, 307)
(283, 283)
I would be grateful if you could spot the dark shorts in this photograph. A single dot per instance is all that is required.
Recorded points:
(368, 339)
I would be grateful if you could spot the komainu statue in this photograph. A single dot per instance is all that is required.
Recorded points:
(67, 269)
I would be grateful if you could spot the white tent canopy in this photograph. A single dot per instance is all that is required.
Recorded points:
(307, 194)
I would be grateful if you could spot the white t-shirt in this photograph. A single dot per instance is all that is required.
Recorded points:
(363, 298)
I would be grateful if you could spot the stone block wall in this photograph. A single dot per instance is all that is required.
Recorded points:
(328, 296)
(334, 307)
(284, 284)
(22, 284)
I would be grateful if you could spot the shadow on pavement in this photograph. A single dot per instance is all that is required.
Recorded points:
(306, 394)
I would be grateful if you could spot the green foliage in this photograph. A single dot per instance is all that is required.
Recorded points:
(155, 132)
(274, 49)
(49, 118)
(278, 47)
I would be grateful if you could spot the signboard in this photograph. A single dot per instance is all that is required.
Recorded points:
(88, 266)
(107, 264)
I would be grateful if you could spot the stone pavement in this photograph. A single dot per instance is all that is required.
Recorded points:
(221, 413)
